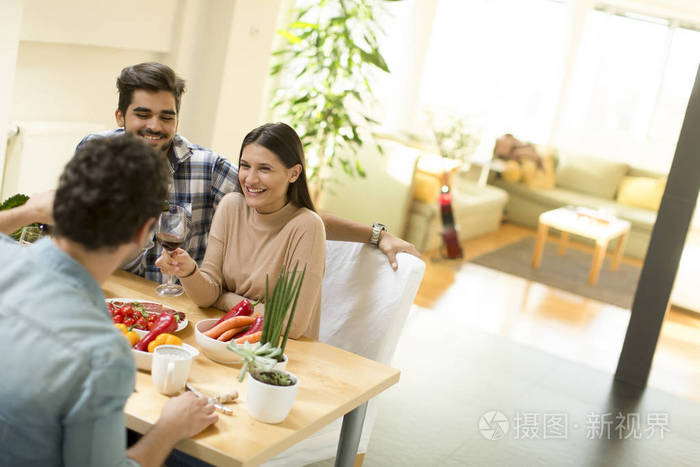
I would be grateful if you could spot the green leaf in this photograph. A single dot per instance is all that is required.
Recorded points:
(276, 69)
(347, 168)
(292, 38)
(301, 99)
(14, 201)
(360, 171)
(375, 59)
(303, 25)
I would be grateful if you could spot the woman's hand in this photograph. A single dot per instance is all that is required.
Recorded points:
(391, 245)
(177, 262)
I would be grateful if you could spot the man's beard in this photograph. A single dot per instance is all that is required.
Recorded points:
(163, 148)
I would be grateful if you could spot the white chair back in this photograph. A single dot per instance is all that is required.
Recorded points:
(364, 306)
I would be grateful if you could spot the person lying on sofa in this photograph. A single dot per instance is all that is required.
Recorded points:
(524, 163)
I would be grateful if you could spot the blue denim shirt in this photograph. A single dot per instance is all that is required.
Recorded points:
(66, 371)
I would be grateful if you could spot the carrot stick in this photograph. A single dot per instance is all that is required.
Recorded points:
(227, 335)
(235, 322)
(252, 338)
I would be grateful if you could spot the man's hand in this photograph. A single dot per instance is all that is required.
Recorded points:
(38, 208)
(182, 417)
(41, 207)
(186, 415)
(390, 246)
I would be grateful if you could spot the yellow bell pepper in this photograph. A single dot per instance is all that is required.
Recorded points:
(132, 336)
(164, 339)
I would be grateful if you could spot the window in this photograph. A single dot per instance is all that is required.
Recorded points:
(498, 61)
(630, 88)
(503, 62)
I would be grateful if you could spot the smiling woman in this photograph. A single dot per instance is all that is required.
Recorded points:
(254, 234)
(264, 178)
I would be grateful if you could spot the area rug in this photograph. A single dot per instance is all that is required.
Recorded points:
(568, 272)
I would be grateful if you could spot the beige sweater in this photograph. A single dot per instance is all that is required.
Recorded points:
(244, 246)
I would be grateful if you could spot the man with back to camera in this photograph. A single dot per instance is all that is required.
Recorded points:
(67, 371)
(149, 106)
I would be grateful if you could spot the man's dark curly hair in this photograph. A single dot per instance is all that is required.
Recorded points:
(108, 190)
(149, 76)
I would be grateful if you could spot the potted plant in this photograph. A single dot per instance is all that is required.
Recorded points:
(271, 391)
(324, 68)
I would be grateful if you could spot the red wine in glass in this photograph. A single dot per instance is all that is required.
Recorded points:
(170, 242)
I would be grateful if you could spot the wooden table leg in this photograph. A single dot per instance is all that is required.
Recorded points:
(539, 245)
(619, 249)
(563, 242)
(598, 258)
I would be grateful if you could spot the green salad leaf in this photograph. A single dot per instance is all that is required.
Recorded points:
(12, 202)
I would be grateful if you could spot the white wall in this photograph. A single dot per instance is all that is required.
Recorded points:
(11, 14)
(241, 106)
(66, 82)
(59, 61)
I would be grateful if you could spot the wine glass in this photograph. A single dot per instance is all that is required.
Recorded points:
(30, 234)
(170, 232)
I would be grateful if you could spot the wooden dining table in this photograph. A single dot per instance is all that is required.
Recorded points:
(333, 383)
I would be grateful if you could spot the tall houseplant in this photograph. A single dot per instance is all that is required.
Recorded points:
(325, 68)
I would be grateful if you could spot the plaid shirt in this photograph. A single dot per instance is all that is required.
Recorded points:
(200, 179)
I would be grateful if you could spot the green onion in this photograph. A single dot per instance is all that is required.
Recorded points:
(286, 290)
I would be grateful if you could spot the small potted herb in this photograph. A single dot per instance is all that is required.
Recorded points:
(271, 391)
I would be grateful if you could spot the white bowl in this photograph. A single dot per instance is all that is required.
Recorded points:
(143, 360)
(212, 348)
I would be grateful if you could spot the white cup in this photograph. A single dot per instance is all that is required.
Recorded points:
(171, 368)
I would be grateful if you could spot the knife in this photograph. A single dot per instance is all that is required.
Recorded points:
(220, 407)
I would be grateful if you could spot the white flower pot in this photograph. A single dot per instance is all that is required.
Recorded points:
(268, 403)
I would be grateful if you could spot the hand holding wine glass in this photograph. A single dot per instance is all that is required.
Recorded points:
(170, 232)
(177, 262)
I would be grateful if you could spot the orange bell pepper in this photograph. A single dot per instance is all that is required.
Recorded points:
(164, 339)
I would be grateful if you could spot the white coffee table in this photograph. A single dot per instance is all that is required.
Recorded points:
(586, 223)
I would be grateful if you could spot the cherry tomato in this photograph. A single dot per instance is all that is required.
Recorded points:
(142, 324)
(118, 317)
(129, 321)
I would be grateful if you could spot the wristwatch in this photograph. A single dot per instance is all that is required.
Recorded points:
(376, 230)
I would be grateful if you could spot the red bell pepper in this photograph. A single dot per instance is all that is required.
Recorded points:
(243, 308)
(255, 327)
(166, 323)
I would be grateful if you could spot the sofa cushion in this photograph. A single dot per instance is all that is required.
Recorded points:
(426, 187)
(590, 175)
(643, 192)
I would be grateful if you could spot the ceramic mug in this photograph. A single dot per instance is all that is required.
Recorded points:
(170, 368)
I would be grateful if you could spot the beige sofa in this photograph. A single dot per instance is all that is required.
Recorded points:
(631, 193)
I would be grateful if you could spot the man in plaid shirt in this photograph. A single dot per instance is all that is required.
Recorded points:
(149, 105)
